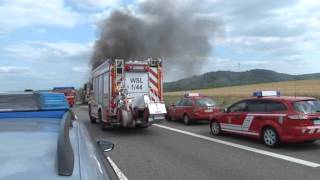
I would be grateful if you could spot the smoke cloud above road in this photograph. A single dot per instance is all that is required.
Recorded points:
(173, 30)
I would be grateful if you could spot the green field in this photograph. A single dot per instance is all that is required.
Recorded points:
(227, 95)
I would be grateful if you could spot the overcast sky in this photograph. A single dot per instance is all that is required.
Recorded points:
(46, 43)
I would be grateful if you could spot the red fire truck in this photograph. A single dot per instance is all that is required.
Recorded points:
(127, 93)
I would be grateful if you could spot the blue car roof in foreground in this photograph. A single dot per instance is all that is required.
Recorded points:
(33, 105)
(39, 122)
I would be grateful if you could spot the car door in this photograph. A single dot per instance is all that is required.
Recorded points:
(180, 109)
(235, 116)
(173, 109)
(266, 110)
(257, 110)
(188, 108)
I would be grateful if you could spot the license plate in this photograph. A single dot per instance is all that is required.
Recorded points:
(208, 110)
(158, 117)
(316, 122)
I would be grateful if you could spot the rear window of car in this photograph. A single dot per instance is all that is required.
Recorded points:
(205, 102)
(18, 102)
(307, 107)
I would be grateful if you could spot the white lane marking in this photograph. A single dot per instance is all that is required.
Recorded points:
(119, 173)
(255, 150)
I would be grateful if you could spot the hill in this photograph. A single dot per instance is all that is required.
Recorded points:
(229, 78)
(227, 95)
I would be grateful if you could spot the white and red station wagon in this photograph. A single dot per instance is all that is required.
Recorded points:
(271, 117)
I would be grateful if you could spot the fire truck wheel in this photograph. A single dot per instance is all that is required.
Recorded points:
(92, 119)
(186, 119)
(103, 125)
(215, 128)
(142, 126)
(270, 137)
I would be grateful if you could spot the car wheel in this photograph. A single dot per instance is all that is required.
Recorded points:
(92, 119)
(215, 128)
(168, 118)
(186, 120)
(270, 137)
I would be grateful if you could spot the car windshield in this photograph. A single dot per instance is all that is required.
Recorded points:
(205, 102)
(18, 102)
(307, 107)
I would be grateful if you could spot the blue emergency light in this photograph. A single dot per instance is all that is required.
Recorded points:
(52, 101)
(33, 105)
(266, 93)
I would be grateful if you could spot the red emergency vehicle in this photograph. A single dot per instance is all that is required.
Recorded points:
(271, 117)
(127, 93)
(69, 92)
(192, 107)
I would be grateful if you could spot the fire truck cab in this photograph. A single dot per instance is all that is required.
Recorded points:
(127, 93)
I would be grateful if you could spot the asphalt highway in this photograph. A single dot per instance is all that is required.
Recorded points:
(175, 151)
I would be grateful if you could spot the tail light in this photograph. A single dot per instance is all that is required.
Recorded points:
(298, 117)
(127, 67)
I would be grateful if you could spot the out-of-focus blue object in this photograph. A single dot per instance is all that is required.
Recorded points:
(34, 105)
(37, 129)
(32, 114)
(52, 101)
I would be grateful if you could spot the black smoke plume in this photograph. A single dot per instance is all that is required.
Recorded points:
(173, 30)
